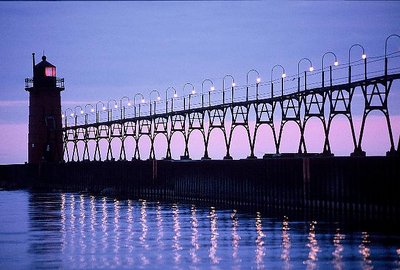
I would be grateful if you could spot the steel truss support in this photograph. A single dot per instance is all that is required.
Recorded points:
(297, 107)
(217, 119)
(376, 99)
(291, 108)
(340, 100)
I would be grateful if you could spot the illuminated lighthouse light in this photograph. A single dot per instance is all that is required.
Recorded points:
(50, 71)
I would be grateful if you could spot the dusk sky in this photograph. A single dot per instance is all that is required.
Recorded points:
(106, 50)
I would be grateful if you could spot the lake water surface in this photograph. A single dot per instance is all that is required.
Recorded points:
(80, 231)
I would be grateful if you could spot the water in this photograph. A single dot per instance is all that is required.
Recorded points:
(79, 231)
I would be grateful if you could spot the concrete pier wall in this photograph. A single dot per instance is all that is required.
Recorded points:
(366, 187)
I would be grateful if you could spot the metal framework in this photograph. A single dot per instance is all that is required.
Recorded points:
(127, 118)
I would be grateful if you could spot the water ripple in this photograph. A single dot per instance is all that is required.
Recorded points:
(80, 231)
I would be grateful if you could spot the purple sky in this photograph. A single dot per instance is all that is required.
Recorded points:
(107, 50)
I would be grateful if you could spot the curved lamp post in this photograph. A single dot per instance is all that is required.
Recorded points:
(386, 60)
(110, 109)
(122, 107)
(212, 88)
(223, 87)
(87, 113)
(158, 98)
(103, 107)
(363, 56)
(174, 95)
(336, 63)
(191, 93)
(311, 68)
(283, 76)
(66, 115)
(63, 118)
(258, 80)
(80, 112)
(141, 101)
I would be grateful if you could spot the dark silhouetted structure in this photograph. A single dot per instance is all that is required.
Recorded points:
(45, 134)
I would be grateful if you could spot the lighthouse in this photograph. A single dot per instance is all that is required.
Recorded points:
(45, 128)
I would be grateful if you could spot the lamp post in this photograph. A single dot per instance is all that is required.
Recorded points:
(63, 118)
(386, 60)
(103, 107)
(66, 115)
(110, 108)
(191, 93)
(386, 87)
(80, 112)
(336, 63)
(141, 101)
(311, 68)
(223, 87)
(175, 95)
(158, 98)
(258, 80)
(212, 88)
(122, 107)
(86, 112)
(283, 76)
(363, 56)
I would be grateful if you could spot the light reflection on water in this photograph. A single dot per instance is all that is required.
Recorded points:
(285, 254)
(92, 229)
(338, 252)
(214, 237)
(365, 251)
(129, 233)
(313, 246)
(260, 251)
(195, 236)
(160, 231)
(235, 238)
(144, 246)
(78, 231)
(176, 245)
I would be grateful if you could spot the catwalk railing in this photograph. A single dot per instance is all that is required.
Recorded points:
(322, 94)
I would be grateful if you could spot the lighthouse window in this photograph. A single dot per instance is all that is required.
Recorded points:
(50, 71)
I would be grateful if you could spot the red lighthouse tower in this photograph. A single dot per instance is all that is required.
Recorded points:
(45, 134)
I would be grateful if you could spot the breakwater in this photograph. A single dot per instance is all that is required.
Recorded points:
(365, 187)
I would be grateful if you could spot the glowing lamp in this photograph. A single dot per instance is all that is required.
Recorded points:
(72, 114)
(336, 63)
(115, 106)
(158, 98)
(92, 110)
(212, 88)
(104, 108)
(81, 111)
(129, 104)
(311, 69)
(258, 80)
(175, 95)
(62, 115)
(233, 84)
(143, 101)
(50, 71)
(193, 92)
(364, 56)
(283, 75)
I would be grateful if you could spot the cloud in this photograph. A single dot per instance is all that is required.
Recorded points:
(14, 138)
(25, 103)
(13, 103)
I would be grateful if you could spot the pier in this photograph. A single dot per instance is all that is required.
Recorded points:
(331, 187)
